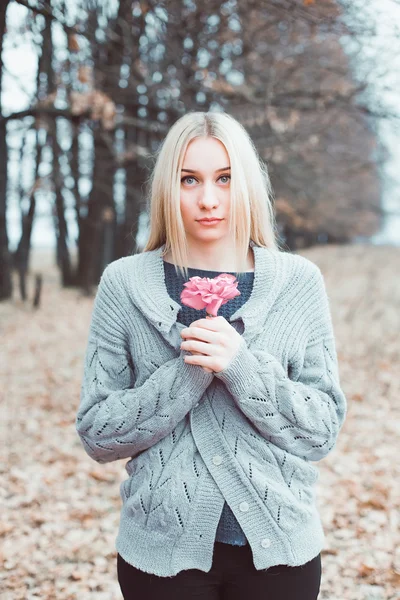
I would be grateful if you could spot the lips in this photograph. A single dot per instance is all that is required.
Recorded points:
(209, 220)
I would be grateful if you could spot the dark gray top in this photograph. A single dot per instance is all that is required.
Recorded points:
(229, 530)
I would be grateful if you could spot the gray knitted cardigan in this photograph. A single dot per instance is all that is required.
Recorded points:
(194, 439)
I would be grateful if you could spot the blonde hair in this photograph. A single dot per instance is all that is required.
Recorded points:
(251, 215)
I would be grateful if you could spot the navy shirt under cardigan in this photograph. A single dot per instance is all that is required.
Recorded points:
(229, 530)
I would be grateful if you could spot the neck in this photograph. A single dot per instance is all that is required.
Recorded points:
(213, 262)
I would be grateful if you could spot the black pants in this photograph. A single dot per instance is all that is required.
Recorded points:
(232, 577)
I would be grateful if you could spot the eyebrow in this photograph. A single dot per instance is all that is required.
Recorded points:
(217, 171)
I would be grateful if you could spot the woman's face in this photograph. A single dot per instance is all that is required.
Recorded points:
(205, 189)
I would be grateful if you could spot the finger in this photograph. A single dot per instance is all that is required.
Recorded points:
(197, 346)
(200, 325)
(200, 360)
(205, 368)
(199, 333)
(211, 323)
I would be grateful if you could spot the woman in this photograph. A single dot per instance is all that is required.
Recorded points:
(219, 417)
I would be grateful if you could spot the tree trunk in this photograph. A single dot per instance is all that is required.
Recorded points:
(22, 254)
(97, 230)
(5, 258)
(63, 257)
(135, 176)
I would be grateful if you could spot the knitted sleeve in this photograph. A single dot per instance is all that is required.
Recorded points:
(115, 419)
(304, 416)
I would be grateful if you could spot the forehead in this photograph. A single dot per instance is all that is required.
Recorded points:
(206, 152)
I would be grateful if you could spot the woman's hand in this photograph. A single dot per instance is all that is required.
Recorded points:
(213, 341)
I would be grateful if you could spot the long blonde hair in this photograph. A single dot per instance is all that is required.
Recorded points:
(251, 215)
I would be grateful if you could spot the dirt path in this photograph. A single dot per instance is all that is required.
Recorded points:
(61, 509)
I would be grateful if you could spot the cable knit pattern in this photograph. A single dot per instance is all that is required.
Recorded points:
(196, 440)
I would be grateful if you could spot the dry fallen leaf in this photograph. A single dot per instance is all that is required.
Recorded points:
(60, 510)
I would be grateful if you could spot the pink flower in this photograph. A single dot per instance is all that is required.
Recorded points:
(204, 292)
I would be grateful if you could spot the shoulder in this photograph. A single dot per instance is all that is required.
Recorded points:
(301, 284)
(299, 263)
(118, 272)
(117, 268)
(126, 276)
(112, 288)
(303, 292)
(298, 271)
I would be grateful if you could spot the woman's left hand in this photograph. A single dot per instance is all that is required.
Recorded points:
(216, 340)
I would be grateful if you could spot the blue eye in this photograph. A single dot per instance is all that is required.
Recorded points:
(185, 178)
(228, 176)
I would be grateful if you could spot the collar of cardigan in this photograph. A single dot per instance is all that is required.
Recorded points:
(149, 291)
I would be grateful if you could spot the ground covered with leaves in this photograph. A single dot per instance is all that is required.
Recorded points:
(60, 509)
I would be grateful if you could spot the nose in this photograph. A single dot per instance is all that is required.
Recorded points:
(209, 197)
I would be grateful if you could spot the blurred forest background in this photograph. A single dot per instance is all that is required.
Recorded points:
(107, 78)
(88, 89)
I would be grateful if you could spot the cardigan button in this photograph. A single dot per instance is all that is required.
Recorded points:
(217, 459)
(244, 507)
(265, 542)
